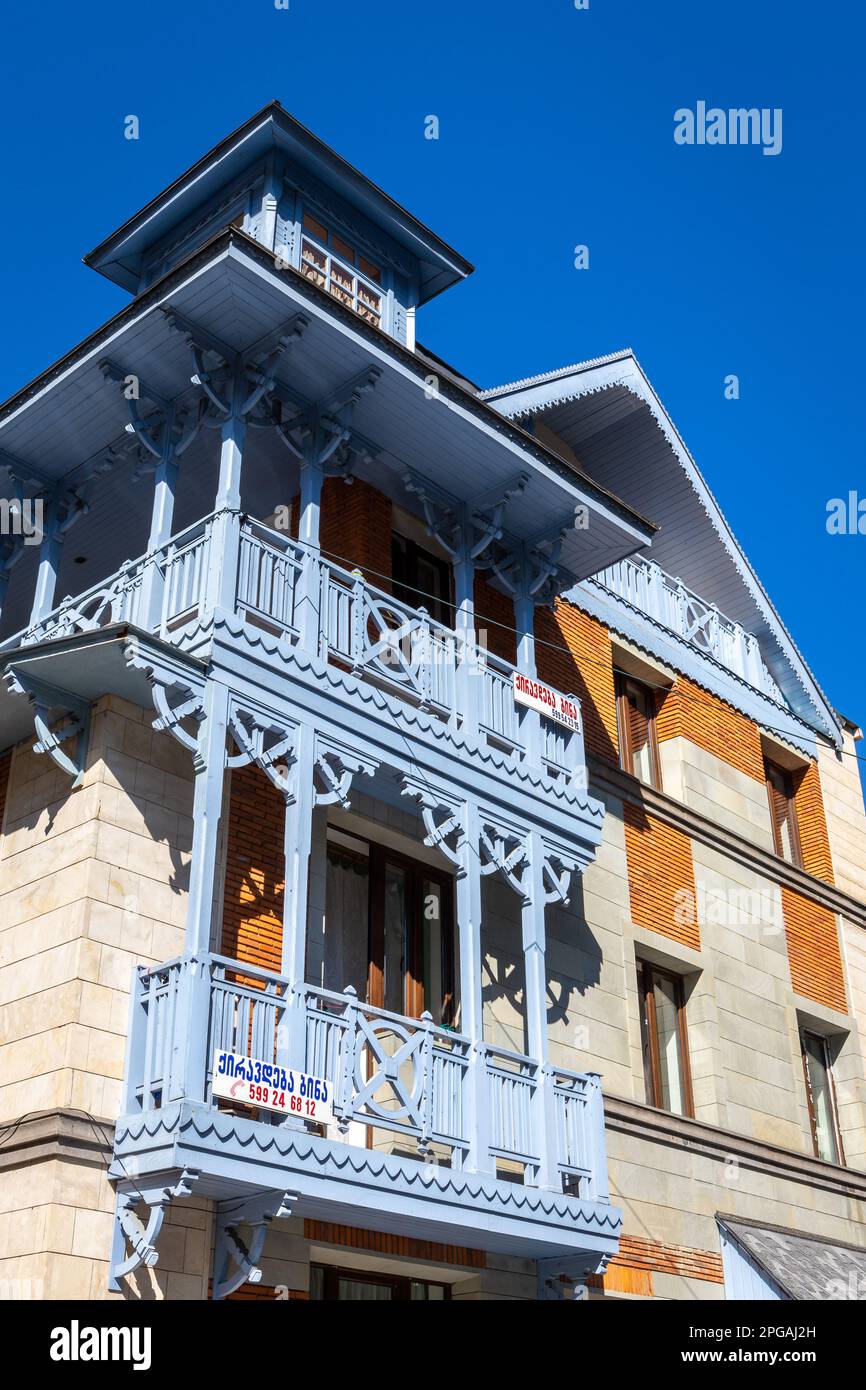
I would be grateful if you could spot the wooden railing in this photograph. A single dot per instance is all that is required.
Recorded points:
(384, 1071)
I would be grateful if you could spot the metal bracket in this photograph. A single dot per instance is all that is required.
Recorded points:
(229, 1248)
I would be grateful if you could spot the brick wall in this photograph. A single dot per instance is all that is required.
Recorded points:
(255, 871)
(632, 1269)
(661, 877)
(494, 615)
(687, 711)
(812, 824)
(813, 951)
(584, 668)
(356, 528)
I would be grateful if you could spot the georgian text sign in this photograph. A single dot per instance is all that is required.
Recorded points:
(551, 703)
(268, 1086)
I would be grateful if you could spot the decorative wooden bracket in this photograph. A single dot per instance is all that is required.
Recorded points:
(335, 766)
(465, 529)
(229, 1248)
(441, 817)
(505, 852)
(557, 871)
(130, 1230)
(167, 432)
(267, 744)
(324, 430)
(185, 704)
(71, 721)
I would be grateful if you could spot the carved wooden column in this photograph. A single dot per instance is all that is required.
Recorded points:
(469, 912)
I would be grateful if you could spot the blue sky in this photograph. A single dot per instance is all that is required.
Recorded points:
(556, 128)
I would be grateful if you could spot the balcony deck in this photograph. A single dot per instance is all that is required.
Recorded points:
(359, 629)
(408, 1100)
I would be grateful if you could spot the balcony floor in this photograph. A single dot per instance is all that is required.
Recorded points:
(357, 1186)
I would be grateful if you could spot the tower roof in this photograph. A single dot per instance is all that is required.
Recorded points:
(272, 130)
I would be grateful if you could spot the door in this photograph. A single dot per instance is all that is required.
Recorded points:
(411, 967)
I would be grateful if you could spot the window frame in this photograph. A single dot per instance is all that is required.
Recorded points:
(821, 1038)
(400, 1284)
(622, 680)
(441, 610)
(790, 795)
(647, 972)
(378, 288)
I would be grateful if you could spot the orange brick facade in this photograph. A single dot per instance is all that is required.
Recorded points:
(687, 711)
(254, 876)
(661, 877)
(813, 951)
(812, 825)
(631, 1270)
(574, 654)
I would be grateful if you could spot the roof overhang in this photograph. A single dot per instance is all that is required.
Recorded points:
(607, 412)
(232, 289)
(273, 130)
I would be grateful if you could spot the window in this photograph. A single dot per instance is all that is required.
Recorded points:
(664, 1040)
(421, 579)
(331, 1285)
(783, 814)
(389, 929)
(821, 1096)
(636, 722)
(334, 265)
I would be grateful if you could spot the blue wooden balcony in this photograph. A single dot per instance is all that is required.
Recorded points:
(293, 594)
(431, 1132)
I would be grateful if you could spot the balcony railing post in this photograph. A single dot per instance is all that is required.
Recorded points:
(597, 1156)
(348, 1059)
(136, 1033)
(187, 1078)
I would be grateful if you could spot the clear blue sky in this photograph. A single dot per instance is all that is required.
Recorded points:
(556, 128)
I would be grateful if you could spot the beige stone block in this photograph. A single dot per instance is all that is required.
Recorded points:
(92, 1234)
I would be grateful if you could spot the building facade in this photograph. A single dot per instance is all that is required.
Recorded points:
(428, 867)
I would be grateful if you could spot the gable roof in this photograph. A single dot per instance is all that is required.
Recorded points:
(608, 413)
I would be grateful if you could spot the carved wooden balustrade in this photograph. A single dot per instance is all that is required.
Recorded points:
(357, 627)
(388, 1074)
(643, 585)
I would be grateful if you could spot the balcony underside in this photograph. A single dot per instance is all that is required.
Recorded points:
(362, 1187)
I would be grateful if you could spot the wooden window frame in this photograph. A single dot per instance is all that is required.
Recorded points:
(647, 972)
(417, 871)
(441, 609)
(790, 796)
(361, 279)
(810, 1104)
(400, 1284)
(626, 753)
